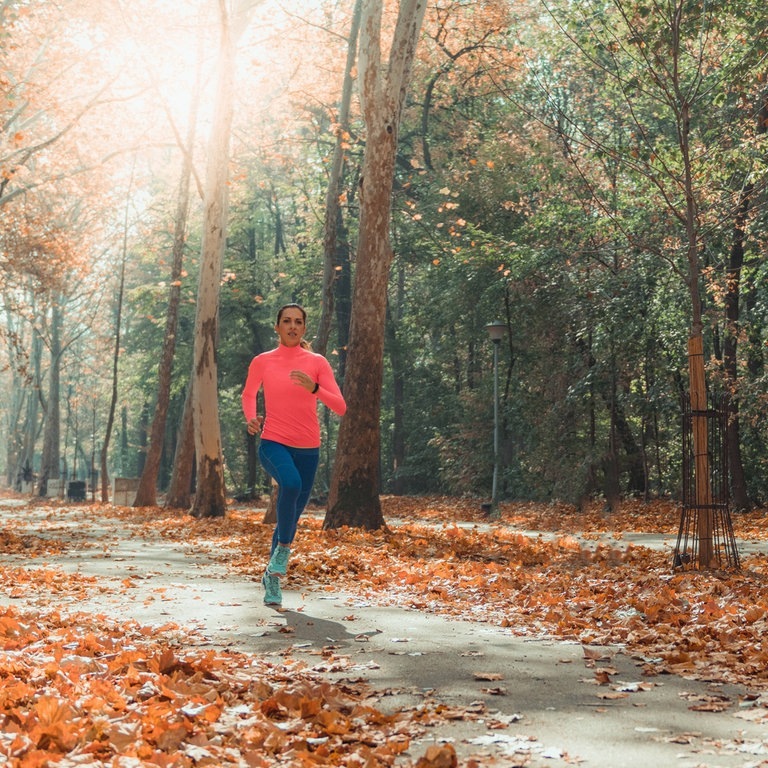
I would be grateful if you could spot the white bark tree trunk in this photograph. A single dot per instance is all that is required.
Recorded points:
(210, 499)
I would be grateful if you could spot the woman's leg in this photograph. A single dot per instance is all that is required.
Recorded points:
(279, 463)
(306, 461)
(293, 470)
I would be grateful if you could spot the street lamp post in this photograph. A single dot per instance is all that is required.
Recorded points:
(496, 331)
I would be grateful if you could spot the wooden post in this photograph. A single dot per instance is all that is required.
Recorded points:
(702, 480)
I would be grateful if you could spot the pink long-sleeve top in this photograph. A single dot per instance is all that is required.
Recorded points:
(290, 410)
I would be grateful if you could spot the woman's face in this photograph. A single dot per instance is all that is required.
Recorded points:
(290, 327)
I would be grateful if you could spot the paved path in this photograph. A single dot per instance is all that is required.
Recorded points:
(541, 691)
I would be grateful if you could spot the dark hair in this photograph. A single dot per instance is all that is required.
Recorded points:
(294, 305)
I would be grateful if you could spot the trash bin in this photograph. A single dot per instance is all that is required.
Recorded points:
(76, 490)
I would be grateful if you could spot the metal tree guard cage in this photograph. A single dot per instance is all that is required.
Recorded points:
(705, 523)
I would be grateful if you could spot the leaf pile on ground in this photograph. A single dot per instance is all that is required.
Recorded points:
(85, 691)
(702, 625)
(130, 693)
(27, 545)
(49, 583)
(654, 516)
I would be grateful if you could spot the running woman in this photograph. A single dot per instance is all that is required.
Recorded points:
(294, 378)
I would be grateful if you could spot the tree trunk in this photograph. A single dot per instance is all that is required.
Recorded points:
(730, 345)
(734, 288)
(612, 485)
(23, 437)
(696, 368)
(343, 301)
(49, 462)
(398, 388)
(622, 442)
(20, 397)
(123, 439)
(116, 352)
(334, 220)
(210, 496)
(146, 494)
(354, 494)
(702, 480)
(179, 494)
(31, 425)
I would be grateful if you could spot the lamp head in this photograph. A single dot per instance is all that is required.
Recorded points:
(496, 330)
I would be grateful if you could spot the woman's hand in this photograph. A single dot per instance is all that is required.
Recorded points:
(254, 425)
(303, 380)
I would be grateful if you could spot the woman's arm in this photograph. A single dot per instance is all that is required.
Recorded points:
(324, 387)
(248, 398)
(328, 391)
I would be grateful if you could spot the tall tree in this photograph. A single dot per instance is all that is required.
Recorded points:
(734, 280)
(146, 494)
(210, 500)
(24, 351)
(666, 70)
(355, 482)
(119, 299)
(51, 455)
(333, 214)
(44, 256)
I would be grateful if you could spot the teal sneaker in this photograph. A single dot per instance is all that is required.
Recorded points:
(278, 563)
(273, 595)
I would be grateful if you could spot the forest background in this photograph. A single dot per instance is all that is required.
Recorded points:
(591, 174)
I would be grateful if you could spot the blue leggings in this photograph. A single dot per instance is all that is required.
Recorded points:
(293, 469)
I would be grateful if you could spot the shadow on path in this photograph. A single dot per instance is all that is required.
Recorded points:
(305, 627)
